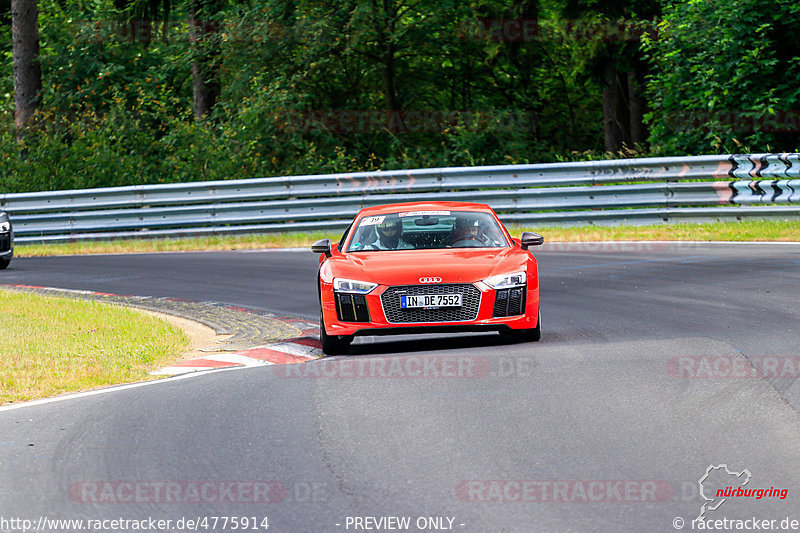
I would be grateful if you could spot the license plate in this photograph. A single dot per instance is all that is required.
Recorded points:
(430, 300)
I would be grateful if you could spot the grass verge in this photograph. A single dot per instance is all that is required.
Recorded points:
(749, 230)
(56, 345)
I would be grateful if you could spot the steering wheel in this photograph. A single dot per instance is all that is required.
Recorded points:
(468, 238)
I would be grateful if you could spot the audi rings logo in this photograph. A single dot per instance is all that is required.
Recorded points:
(430, 280)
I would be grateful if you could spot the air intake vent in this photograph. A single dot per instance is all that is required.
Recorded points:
(351, 307)
(509, 302)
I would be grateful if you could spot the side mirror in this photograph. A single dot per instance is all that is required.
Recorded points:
(322, 247)
(531, 239)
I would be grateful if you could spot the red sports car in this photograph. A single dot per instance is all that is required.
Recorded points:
(427, 267)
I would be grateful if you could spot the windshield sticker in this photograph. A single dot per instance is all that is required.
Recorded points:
(423, 213)
(371, 221)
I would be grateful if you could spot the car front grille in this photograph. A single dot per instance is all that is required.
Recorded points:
(509, 302)
(351, 307)
(470, 302)
(5, 242)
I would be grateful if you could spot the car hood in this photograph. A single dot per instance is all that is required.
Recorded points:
(405, 267)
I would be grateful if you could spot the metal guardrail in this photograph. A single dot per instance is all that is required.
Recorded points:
(633, 191)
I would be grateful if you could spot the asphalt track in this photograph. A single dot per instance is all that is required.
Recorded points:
(647, 374)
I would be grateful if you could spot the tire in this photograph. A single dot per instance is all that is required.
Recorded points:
(332, 344)
(4, 263)
(527, 335)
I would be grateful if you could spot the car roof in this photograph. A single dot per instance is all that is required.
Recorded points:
(425, 206)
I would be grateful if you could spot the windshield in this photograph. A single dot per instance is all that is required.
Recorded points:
(414, 230)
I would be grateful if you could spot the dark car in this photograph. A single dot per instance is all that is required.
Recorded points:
(6, 240)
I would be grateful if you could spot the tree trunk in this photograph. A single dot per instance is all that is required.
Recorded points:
(27, 69)
(205, 76)
(637, 108)
(616, 120)
(390, 81)
(166, 11)
(385, 18)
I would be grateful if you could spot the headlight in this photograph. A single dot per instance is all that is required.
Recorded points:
(353, 286)
(5, 226)
(506, 280)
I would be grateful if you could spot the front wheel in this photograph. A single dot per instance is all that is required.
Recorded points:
(4, 263)
(332, 344)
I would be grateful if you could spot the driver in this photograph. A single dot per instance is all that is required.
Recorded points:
(466, 231)
(390, 236)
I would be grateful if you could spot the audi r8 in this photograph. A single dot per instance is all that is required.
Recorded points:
(427, 267)
(6, 240)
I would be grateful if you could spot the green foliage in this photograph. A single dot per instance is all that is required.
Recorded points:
(315, 87)
(307, 87)
(725, 73)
